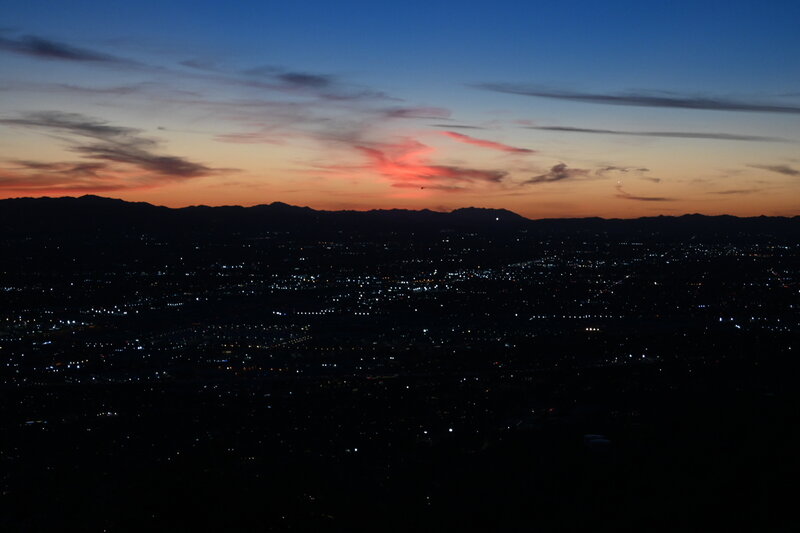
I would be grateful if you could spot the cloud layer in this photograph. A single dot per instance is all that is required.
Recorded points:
(121, 157)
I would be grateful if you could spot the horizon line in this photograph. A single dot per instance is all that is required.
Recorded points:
(353, 210)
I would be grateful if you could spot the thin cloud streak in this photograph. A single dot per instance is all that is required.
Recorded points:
(443, 188)
(736, 191)
(33, 46)
(624, 195)
(72, 123)
(643, 99)
(780, 169)
(672, 134)
(458, 126)
(417, 112)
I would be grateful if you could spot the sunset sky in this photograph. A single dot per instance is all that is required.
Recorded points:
(550, 109)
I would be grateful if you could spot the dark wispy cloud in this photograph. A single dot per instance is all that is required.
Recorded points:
(638, 172)
(121, 157)
(83, 169)
(302, 79)
(673, 134)
(559, 172)
(290, 78)
(443, 188)
(613, 168)
(621, 193)
(134, 154)
(200, 64)
(274, 103)
(50, 183)
(73, 123)
(458, 126)
(780, 169)
(417, 112)
(38, 176)
(736, 191)
(30, 45)
(332, 123)
(268, 78)
(653, 99)
(118, 90)
(152, 91)
(253, 137)
(319, 85)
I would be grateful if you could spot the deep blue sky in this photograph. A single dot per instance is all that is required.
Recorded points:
(672, 42)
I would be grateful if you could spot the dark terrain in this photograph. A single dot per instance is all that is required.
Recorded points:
(279, 368)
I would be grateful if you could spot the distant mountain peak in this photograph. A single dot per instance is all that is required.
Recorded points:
(486, 212)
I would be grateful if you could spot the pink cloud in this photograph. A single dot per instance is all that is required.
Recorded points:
(460, 137)
(408, 163)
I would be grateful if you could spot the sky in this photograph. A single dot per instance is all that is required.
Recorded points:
(615, 109)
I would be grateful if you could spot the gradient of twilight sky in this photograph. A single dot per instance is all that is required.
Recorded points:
(550, 109)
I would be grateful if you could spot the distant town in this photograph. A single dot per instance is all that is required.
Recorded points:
(535, 366)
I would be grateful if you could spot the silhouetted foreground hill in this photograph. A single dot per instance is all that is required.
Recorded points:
(111, 217)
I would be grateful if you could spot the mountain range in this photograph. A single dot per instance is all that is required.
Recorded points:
(112, 217)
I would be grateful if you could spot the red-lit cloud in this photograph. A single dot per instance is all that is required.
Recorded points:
(460, 137)
(407, 163)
